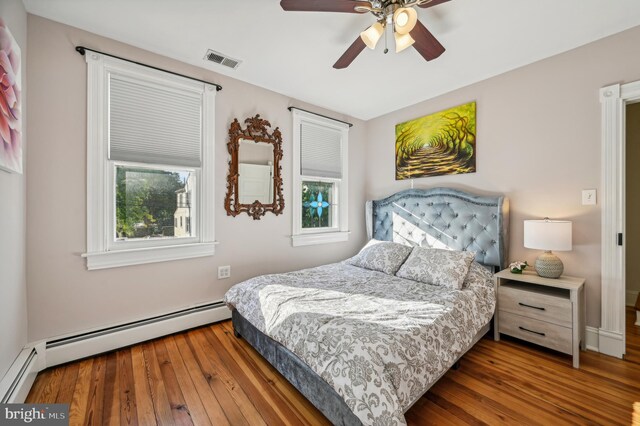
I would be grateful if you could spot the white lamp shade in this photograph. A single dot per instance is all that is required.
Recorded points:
(403, 41)
(404, 19)
(547, 234)
(371, 35)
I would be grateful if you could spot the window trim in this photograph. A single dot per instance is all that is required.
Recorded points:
(339, 233)
(99, 203)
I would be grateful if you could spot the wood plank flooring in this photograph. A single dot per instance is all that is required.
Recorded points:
(206, 376)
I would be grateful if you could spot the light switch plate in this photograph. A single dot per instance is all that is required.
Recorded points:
(224, 272)
(588, 197)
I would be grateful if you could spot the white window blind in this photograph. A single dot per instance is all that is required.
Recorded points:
(320, 151)
(152, 124)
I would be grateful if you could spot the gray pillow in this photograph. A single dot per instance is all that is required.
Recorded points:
(446, 268)
(383, 256)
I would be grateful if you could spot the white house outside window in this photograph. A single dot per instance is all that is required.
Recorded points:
(320, 194)
(150, 165)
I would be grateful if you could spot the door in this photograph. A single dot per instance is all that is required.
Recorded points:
(632, 232)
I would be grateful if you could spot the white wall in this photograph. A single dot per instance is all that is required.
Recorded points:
(63, 296)
(13, 287)
(538, 141)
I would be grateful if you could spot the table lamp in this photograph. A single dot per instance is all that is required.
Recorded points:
(548, 235)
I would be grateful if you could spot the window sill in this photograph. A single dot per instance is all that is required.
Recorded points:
(118, 258)
(319, 238)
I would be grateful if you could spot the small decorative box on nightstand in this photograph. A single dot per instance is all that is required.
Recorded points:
(545, 311)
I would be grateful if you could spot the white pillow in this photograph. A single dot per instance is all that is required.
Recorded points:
(383, 256)
(446, 268)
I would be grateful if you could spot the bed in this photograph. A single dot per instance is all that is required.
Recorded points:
(364, 345)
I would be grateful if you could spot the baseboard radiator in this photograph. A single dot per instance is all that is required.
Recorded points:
(16, 383)
(70, 348)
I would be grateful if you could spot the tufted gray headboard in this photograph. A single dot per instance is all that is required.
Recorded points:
(444, 218)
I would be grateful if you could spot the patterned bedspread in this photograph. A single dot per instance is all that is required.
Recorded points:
(380, 341)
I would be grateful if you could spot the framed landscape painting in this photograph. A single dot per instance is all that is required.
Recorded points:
(10, 102)
(443, 143)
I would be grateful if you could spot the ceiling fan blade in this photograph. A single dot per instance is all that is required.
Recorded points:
(426, 44)
(432, 3)
(346, 6)
(351, 53)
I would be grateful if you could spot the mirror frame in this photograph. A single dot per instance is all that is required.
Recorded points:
(257, 130)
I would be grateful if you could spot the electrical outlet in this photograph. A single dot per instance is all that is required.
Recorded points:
(224, 272)
(588, 197)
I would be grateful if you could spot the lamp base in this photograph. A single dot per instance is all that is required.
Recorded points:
(549, 265)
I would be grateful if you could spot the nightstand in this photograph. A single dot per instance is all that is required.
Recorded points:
(545, 311)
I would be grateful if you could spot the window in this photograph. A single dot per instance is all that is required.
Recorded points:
(320, 159)
(149, 200)
(318, 205)
(150, 165)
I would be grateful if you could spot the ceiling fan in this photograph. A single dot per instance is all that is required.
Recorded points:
(399, 14)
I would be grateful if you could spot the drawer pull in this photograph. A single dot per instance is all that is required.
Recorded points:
(532, 307)
(531, 331)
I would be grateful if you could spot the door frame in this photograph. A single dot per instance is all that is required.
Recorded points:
(613, 99)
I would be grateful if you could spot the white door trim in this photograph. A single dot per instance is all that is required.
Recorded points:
(613, 100)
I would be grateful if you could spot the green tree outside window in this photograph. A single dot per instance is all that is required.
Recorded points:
(145, 201)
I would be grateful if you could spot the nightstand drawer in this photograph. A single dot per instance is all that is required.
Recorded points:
(540, 306)
(535, 331)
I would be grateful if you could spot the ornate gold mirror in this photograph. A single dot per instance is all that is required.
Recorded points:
(254, 182)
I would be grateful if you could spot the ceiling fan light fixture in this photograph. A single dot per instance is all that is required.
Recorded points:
(404, 19)
(372, 35)
(403, 41)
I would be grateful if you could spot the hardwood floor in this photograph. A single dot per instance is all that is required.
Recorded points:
(207, 376)
(633, 336)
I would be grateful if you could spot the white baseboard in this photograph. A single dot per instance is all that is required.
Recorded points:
(592, 339)
(17, 382)
(630, 297)
(611, 343)
(82, 345)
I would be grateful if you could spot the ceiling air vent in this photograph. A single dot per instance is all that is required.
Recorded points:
(222, 59)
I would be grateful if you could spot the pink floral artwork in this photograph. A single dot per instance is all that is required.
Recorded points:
(10, 102)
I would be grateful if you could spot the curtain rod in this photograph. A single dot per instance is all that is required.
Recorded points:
(82, 50)
(320, 115)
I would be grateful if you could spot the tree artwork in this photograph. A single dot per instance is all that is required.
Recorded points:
(443, 143)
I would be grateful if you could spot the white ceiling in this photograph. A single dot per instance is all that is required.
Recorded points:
(293, 52)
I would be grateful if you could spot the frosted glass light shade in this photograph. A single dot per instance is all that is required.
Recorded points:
(404, 19)
(547, 234)
(371, 35)
(403, 41)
